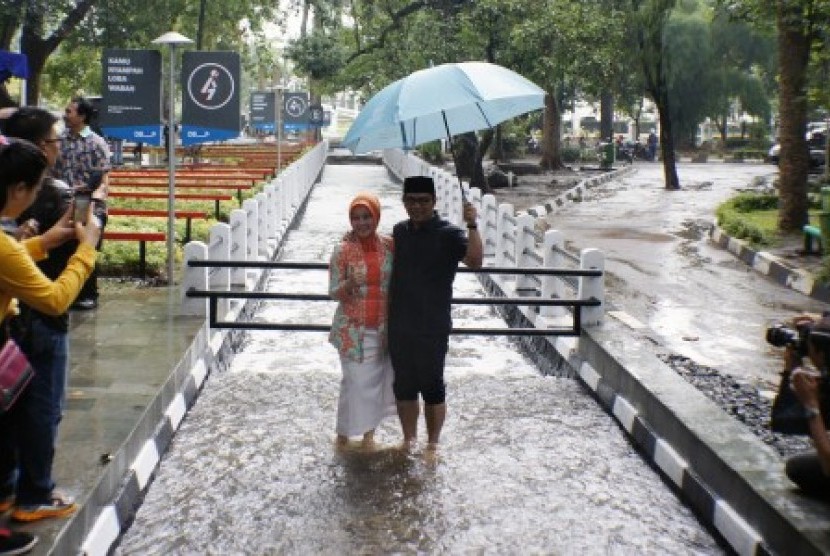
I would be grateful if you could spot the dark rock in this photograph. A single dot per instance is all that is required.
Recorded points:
(496, 179)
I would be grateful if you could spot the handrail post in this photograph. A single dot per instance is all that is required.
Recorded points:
(590, 286)
(194, 278)
(251, 208)
(239, 245)
(262, 226)
(525, 244)
(503, 229)
(488, 216)
(272, 212)
(553, 287)
(219, 248)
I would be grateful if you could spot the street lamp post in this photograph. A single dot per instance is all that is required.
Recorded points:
(280, 90)
(172, 39)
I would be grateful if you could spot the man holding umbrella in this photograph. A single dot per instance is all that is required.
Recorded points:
(427, 252)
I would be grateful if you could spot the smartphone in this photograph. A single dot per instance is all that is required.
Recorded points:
(81, 205)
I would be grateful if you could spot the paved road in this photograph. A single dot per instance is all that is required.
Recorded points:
(693, 298)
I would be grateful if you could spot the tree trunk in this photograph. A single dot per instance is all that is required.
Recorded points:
(606, 115)
(37, 51)
(497, 153)
(551, 134)
(478, 179)
(667, 143)
(793, 55)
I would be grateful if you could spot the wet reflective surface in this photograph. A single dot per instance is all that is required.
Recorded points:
(527, 464)
(694, 298)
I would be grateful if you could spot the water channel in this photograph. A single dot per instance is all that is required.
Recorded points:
(528, 463)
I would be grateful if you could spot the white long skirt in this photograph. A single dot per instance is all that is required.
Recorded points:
(366, 395)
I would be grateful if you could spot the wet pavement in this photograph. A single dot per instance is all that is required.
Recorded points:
(667, 279)
(527, 461)
(120, 356)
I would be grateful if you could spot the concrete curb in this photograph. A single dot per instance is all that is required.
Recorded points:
(732, 480)
(575, 193)
(767, 264)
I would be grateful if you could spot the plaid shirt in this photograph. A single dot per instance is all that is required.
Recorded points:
(81, 154)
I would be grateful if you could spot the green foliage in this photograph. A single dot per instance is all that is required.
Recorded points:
(431, 152)
(571, 154)
(750, 216)
(319, 55)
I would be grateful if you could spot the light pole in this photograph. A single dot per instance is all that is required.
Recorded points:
(280, 97)
(172, 39)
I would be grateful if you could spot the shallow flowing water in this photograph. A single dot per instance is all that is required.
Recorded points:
(527, 464)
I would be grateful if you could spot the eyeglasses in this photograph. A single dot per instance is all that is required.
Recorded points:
(425, 200)
(56, 140)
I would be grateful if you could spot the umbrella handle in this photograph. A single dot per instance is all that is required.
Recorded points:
(454, 161)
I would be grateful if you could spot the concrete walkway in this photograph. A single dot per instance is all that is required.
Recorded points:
(123, 357)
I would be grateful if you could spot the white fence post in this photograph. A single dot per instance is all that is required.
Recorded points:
(219, 249)
(239, 245)
(272, 222)
(504, 230)
(194, 278)
(487, 228)
(251, 208)
(262, 225)
(592, 259)
(553, 287)
(525, 247)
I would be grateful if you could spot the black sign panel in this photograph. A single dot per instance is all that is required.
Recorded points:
(315, 115)
(131, 100)
(295, 111)
(264, 111)
(210, 97)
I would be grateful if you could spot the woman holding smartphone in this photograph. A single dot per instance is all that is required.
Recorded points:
(24, 430)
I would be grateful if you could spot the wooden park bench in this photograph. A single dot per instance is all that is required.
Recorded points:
(213, 196)
(188, 215)
(142, 238)
(186, 183)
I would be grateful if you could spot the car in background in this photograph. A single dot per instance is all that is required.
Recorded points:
(816, 143)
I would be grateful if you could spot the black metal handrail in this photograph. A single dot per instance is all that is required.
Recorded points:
(212, 263)
(213, 297)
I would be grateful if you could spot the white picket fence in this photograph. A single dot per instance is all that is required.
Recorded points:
(253, 233)
(511, 240)
(256, 230)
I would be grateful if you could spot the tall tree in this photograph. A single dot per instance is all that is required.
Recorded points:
(651, 17)
(801, 25)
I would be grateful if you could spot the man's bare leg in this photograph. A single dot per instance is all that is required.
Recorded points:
(435, 415)
(408, 412)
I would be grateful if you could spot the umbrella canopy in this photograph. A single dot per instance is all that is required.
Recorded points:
(438, 102)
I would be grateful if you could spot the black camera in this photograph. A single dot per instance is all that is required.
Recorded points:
(781, 335)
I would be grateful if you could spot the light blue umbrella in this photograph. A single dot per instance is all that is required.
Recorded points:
(440, 102)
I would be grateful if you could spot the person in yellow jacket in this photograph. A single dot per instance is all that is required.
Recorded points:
(22, 169)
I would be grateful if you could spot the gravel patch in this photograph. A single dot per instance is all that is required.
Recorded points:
(739, 399)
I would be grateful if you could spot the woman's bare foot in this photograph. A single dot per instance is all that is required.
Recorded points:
(368, 440)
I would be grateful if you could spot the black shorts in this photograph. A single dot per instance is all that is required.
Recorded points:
(418, 362)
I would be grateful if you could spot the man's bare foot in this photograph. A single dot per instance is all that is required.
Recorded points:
(408, 444)
(341, 442)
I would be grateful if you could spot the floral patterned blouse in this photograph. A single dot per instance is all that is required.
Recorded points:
(349, 323)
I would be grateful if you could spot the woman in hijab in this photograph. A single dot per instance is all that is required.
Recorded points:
(359, 273)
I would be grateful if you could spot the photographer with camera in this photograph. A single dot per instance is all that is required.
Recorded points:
(810, 471)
